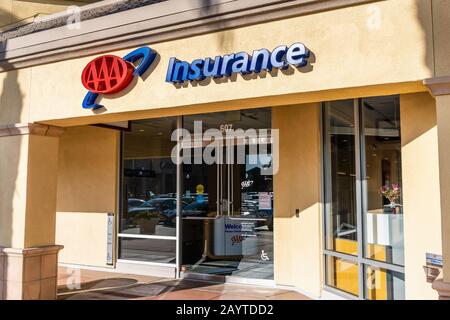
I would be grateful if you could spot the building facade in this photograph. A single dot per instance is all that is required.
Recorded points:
(299, 144)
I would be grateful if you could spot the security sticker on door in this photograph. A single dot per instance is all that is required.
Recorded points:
(231, 237)
(264, 201)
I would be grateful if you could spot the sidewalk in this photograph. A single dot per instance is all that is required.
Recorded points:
(81, 284)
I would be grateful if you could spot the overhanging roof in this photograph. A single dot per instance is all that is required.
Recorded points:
(156, 21)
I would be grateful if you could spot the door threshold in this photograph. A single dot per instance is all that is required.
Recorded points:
(227, 279)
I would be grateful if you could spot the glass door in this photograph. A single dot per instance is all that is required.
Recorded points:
(249, 220)
(227, 210)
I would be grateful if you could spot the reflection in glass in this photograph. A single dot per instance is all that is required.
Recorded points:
(382, 284)
(377, 149)
(150, 206)
(228, 223)
(237, 119)
(341, 233)
(342, 274)
(383, 180)
(149, 179)
(152, 250)
(148, 190)
(200, 187)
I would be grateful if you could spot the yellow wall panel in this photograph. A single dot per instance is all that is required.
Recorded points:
(337, 63)
(87, 191)
(297, 240)
(421, 197)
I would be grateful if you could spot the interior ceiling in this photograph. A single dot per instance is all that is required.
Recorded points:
(244, 119)
(379, 110)
(153, 127)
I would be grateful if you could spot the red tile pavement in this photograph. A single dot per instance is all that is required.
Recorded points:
(82, 284)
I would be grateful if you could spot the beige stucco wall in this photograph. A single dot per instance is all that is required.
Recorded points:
(441, 11)
(13, 176)
(442, 115)
(297, 240)
(380, 43)
(441, 25)
(87, 191)
(41, 190)
(421, 197)
(358, 51)
(27, 205)
(83, 236)
(15, 10)
(15, 96)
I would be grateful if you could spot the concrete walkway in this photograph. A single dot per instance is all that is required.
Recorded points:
(96, 285)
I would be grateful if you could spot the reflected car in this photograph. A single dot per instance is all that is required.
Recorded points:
(159, 205)
(134, 202)
(165, 208)
(197, 208)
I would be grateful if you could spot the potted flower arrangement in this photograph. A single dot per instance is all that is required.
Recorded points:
(384, 226)
(392, 193)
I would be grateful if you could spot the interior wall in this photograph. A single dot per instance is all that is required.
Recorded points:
(421, 197)
(297, 240)
(87, 189)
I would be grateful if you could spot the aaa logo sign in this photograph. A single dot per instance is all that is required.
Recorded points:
(111, 74)
(107, 74)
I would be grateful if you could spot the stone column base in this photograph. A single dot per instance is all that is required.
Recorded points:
(443, 289)
(29, 274)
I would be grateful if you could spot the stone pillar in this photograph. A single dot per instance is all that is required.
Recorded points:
(28, 178)
(440, 89)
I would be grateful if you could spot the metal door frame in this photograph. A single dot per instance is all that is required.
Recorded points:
(229, 173)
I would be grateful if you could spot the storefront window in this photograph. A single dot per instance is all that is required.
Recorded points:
(382, 284)
(228, 223)
(226, 206)
(148, 219)
(340, 150)
(383, 210)
(150, 201)
(342, 274)
(154, 250)
(363, 197)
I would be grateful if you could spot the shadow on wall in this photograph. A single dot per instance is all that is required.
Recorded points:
(11, 106)
(423, 16)
(209, 7)
(424, 111)
(290, 70)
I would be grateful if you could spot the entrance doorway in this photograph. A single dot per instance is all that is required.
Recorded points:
(227, 215)
(210, 215)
